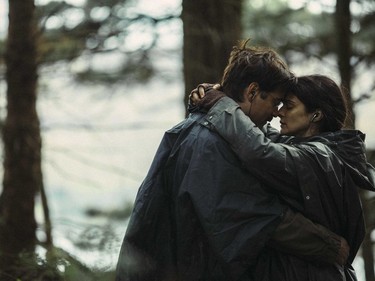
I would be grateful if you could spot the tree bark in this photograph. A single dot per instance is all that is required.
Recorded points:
(344, 53)
(210, 31)
(367, 245)
(21, 135)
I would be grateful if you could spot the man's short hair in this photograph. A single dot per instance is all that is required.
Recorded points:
(255, 64)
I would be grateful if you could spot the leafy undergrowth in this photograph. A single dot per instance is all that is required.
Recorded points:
(57, 265)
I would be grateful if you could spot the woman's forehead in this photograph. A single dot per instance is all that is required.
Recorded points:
(292, 98)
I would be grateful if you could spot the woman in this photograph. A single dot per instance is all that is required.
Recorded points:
(316, 167)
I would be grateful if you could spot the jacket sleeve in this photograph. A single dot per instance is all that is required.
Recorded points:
(299, 236)
(237, 215)
(271, 162)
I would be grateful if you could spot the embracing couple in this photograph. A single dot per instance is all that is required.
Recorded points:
(228, 197)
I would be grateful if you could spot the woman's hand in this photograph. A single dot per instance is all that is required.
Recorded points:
(199, 92)
(205, 96)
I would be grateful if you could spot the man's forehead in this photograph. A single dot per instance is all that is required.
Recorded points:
(279, 94)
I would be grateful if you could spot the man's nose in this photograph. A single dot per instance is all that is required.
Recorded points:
(280, 112)
(275, 112)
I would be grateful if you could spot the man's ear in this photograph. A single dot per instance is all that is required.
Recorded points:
(251, 91)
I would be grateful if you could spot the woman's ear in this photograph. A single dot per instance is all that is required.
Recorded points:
(317, 116)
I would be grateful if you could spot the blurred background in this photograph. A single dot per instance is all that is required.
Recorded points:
(88, 88)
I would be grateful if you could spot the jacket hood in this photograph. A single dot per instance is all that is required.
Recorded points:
(350, 147)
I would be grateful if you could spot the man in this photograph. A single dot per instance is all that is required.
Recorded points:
(198, 214)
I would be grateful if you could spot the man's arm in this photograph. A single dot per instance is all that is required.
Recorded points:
(299, 236)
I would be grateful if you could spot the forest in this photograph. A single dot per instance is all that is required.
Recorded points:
(88, 88)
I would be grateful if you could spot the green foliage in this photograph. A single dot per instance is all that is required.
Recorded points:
(289, 30)
(131, 71)
(62, 47)
(117, 214)
(31, 266)
(309, 34)
(74, 270)
(57, 265)
(363, 43)
(98, 27)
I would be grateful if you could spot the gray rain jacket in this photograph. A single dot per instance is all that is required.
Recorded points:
(317, 176)
(199, 215)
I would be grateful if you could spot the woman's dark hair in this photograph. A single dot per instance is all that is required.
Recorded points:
(255, 64)
(318, 92)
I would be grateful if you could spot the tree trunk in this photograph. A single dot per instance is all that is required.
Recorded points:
(367, 245)
(344, 52)
(210, 31)
(21, 135)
